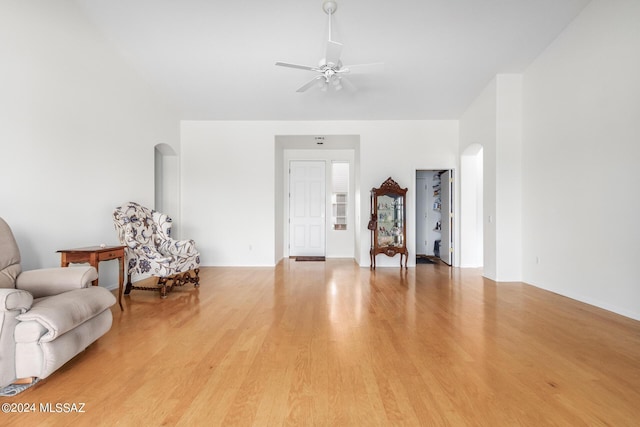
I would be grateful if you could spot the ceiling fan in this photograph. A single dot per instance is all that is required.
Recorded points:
(330, 71)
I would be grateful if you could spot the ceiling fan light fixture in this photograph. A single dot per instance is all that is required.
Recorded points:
(330, 66)
(337, 84)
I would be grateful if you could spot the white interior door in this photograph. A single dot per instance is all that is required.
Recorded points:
(307, 208)
(446, 194)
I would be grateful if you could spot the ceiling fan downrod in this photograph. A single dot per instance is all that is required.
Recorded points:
(329, 7)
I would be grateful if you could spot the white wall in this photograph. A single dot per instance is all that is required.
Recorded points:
(471, 206)
(77, 132)
(235, 161)
(478, 127)
(494, 121)
(508, 219)
(581, 157)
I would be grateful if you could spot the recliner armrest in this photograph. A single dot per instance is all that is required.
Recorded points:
(52, 281)
(15, 299)
(61, 313)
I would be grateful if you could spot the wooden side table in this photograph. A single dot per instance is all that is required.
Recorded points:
(93, 255)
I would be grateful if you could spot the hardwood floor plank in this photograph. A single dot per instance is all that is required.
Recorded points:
(333, 344)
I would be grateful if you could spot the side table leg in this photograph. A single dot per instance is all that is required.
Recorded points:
(93, 261)
(120, 281)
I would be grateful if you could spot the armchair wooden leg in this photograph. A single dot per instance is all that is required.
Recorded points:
(196, 279)
(166, 284)
(127, 289)
(162, 282)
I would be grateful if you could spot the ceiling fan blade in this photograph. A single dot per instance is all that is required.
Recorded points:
(301, 67)
(309, 84)
(347, 84)
(358, 68)
(332, 55)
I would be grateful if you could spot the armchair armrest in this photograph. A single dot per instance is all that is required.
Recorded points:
(151, 253)
(181, 248)
(168, 245)
(15, 299)
(53, 281)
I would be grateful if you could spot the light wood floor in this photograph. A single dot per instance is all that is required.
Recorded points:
(329, 343)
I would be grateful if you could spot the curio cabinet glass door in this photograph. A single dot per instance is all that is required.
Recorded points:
(388, 222)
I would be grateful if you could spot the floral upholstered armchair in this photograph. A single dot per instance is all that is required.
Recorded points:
(150, 250)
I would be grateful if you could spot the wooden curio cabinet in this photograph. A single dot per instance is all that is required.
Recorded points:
(388, 222)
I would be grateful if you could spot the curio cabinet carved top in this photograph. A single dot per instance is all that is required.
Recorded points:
(388, 221)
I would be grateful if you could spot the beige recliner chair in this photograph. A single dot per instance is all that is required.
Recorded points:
(47, 316)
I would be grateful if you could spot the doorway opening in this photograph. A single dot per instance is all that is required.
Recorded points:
(434, 216)
(167, 184)
(339, 153)
(471, 207)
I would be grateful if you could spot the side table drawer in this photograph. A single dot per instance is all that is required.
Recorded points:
(105, 256)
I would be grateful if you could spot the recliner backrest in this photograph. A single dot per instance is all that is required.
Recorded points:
(9, 257)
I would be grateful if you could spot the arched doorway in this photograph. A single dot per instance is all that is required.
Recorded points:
(166, 183)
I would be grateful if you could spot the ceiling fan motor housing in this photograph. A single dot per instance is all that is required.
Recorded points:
(329, 6)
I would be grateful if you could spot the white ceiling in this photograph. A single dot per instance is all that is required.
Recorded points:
(215, 59)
